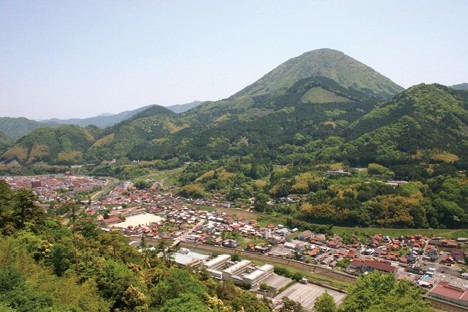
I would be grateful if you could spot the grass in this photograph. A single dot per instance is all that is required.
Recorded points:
(320, 279)
(446, 233)
(168, 177)
(266, 219)
(205, 208)
(294, 235)
(252, 241)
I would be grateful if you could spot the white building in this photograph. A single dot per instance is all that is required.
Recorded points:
(236, 269)
(257, 276)
(217, 263)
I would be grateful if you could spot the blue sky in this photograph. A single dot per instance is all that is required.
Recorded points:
(68, 58)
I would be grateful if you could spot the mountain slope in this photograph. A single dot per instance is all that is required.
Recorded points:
(60, 145)
(107, 120)
(5, 142)
(461, 86)
(312, 108)
(328, 63)
(181, 108)
(18, 127)
(99, 121)
(153, 124)
(347, 74)
(424, 117)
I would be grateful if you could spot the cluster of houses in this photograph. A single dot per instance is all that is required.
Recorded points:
(59, 188)
(178, 218)
(125, 193)
(423, 256)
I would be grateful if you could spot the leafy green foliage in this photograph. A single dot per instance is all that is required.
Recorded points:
(382, 292)
(424, 117)
(290, 306)
(325, 303)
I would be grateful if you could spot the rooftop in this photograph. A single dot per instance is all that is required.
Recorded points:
(444, 289)
(237, 266)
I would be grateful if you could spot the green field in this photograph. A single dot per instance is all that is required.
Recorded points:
(446, 233)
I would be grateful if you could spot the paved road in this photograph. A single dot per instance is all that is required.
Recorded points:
(183, 237)
(113, 182)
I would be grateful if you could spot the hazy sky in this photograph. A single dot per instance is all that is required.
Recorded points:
(67, 58)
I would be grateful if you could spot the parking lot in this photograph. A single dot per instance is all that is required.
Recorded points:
(277, 282)
(306, 294)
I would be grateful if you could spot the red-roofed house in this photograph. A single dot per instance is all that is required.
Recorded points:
(112, 220)
(450, 293)
(369, 266)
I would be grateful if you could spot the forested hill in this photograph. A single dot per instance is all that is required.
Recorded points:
(330, 66)
(430, 119)
(328, 63)
(65, 144)
(311, 109)
(152, 125)
(18, 127)
(5, 142)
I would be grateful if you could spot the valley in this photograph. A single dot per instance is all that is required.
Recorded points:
(323, 168)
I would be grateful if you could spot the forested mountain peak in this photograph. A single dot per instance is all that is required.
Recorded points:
(328, 63)
(154, 110)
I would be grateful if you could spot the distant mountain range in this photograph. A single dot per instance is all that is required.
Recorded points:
(320, 106)
(15, 128)
(106, 120)
(461, 86)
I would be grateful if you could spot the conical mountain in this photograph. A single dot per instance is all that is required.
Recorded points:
(332, 64)
(324, 89)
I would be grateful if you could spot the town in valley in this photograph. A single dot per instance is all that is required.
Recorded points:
(255, 252)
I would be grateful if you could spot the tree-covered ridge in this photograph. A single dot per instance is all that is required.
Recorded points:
(329, 63)
(60, 145)
(5, 142)
(18, 127)
(154, 124)
(261, 123)
(432, 199)
(46, 266)
(422, 118)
